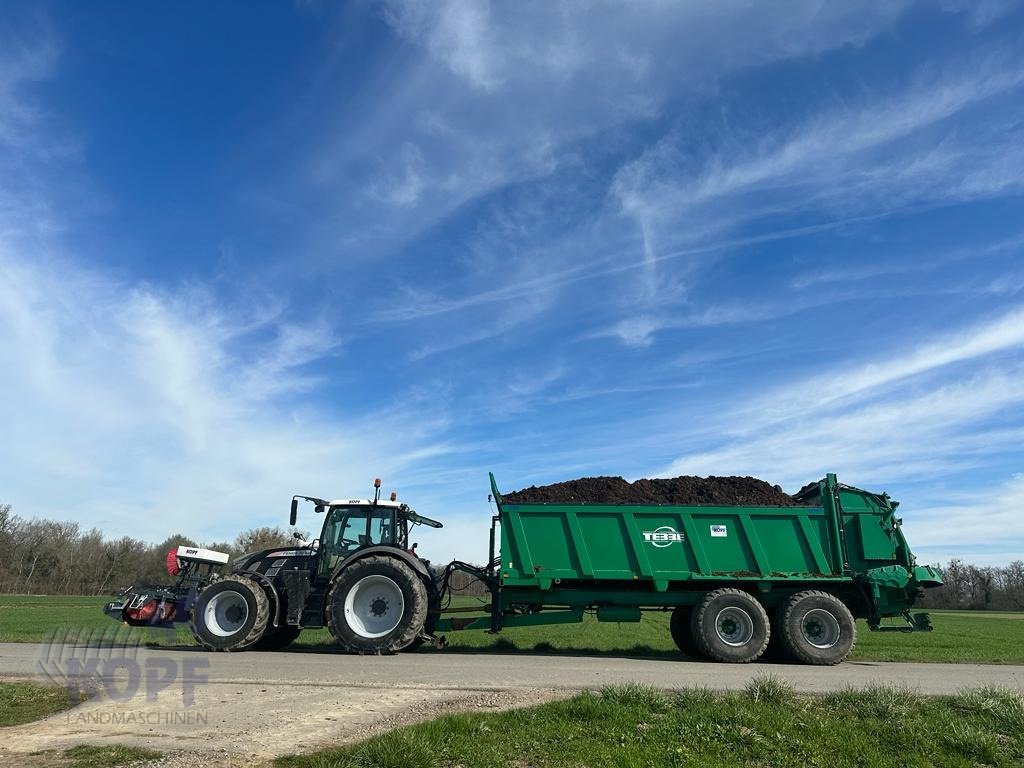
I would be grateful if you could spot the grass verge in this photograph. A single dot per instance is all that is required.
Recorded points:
(25, 702)
(88, 756)
(766, 725)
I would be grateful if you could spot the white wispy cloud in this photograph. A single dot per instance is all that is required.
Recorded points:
(499, 96)
(172, 407)
(937, 410)
(834, 155)
(28, 55)
(1005, 332)
(980, 527)
(917, 433)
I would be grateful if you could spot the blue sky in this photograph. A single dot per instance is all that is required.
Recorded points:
(253, 250)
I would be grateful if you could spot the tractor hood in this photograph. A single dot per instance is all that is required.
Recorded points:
(268, 559)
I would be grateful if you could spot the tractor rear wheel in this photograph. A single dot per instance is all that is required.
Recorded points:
(377, 605)
(680, 626)
(731, 625)
(230, 615)
(433, 615)
(817, 628)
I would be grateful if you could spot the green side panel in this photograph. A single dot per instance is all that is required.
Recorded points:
(869, 521)
(597, 530)
(543, 544)
(875, 541)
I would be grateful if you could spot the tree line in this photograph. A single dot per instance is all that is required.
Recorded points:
(41, 556)
(981, 588)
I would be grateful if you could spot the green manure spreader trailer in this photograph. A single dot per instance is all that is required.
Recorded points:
(733, 577)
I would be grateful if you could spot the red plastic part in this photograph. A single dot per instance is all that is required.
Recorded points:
(144, 612)
(173, 567)
(148, 611)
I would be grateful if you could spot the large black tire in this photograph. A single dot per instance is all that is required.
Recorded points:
(681, 627)
(817, 628)
(277, 638)
(385, 618)
(731, 625)
(433, 615)
(230, 615)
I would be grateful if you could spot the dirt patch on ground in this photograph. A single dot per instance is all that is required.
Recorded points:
(238, 724)
(681, 491)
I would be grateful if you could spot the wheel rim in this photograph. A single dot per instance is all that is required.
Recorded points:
(734, 626)
(374, 606)
(820, 628)
(226, 613)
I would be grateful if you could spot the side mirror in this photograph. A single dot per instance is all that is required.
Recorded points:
(415, 545)
(295, 512)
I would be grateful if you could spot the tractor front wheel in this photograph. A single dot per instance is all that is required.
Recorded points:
(230, 615)
(377, 605)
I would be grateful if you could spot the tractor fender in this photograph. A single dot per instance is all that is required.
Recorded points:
(268, 585)
(411, 560)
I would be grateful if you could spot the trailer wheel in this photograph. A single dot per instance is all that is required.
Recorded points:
(817, 628)
(731, 625)
(277, 638)
(681, 627)
(230, 615)
(377, 605)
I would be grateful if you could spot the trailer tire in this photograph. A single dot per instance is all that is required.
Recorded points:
(377, 605)
(277, 638)
(817, 628)
(730, 625)
(230, 615)
(681, 627)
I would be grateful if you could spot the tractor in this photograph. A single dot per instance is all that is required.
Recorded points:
(361, 578)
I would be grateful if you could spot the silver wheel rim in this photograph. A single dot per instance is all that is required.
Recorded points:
(734, 626)
(374, 606)
(226, 613)
(820, 628)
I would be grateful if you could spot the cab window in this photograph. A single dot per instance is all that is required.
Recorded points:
(350, 528)
(381, 527)
(344, 533)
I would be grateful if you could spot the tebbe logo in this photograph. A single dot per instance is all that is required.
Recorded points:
(664, 536)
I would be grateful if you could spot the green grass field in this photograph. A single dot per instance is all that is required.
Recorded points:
(959, 636)
(22, 702)
(767, 725)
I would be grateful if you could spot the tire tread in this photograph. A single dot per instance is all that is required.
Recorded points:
(697, 622)
(258, 628)
(794, 647)
(395, 642)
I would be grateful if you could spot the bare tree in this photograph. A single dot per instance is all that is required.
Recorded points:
(256, 539)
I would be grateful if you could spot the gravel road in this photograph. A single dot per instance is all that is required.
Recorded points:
(253, 706)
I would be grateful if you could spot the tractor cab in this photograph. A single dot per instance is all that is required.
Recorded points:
(353, 525)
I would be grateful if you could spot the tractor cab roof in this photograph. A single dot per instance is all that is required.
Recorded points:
(403, 509)
(365, 502)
